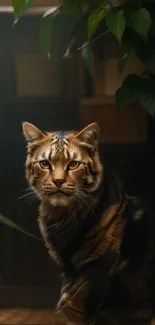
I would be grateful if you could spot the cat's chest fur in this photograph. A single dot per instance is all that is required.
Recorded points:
(78, 239)
(85, 237)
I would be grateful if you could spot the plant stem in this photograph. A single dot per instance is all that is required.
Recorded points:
(92, 41)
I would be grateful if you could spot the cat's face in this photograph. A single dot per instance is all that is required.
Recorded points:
(62, 166)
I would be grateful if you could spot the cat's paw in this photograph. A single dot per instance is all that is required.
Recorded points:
(57, 318)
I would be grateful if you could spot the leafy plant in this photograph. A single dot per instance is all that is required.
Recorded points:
(9, 223)
(82, 22)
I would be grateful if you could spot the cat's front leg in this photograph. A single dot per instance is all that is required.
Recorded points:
(57, 318)
(71, 306)
(72, 303)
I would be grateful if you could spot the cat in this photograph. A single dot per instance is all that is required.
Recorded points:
(102, 239)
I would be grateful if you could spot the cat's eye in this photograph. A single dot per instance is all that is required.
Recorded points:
(73, 165)
(44, 164)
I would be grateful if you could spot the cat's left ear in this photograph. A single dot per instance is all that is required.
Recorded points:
(89, 136)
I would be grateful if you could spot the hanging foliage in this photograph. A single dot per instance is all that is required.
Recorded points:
(131, 22)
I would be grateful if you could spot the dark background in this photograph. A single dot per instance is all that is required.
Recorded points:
(27, 275)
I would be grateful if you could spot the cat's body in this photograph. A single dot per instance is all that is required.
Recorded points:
(101, 238)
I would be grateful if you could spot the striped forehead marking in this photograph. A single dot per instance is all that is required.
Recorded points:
(45, 153)
(60, 147)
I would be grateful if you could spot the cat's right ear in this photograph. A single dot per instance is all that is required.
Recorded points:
(32, 133)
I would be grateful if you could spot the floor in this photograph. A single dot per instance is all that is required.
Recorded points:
(42, 317)
(24, 316)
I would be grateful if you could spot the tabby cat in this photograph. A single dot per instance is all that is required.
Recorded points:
(101, 238)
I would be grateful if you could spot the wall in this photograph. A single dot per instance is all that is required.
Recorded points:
(130, 125)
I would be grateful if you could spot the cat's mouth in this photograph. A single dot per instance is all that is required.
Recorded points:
(58, 193)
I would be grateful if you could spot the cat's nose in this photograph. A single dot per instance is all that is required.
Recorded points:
(58, 182)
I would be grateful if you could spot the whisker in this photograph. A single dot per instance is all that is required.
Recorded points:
(31, 196)
(83, 188)
(26, 189)
(87, 199)
(82, 201)
(78, 202)
(94, 199)
(63, 222)
(87, 196)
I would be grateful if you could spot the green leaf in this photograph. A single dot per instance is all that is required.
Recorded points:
(89, 59)
(122, 62)
(103, 3)
(69, 48)
(124, 97)
(54, 26)
(116, 23)
(45, 35)
(125, 52)
(49, 13)
(8, 222)
(94, 21)
(73, 6)
(152, 28)
(137, 89)
(128, 92)
(140, 21)
(147, 95)
(146, 53)
(20, 7)
(77, 7)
